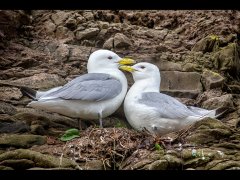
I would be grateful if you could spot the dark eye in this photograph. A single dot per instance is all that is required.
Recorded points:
(109, 57)
(142, 67)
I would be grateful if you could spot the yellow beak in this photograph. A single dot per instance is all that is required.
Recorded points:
(125, 61)
(127, 68)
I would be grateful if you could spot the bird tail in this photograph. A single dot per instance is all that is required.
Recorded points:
(216, 113)
(220, 111)
(28, 92)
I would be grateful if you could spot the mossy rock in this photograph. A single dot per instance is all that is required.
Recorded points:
(39, 159)
(157, 165)
(225, 165)
(21, 141)
(196, 162)
(207, 44)
(18, 163)
(5, 168)
(173, 161)
(227, 58)
(212, 79)
(208, 130)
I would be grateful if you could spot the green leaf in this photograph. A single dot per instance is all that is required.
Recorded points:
(70, 134)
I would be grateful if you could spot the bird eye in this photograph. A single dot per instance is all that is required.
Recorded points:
(109, 57)
(142, 67)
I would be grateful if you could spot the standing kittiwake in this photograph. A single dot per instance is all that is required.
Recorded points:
(94, 95)
(146, 107)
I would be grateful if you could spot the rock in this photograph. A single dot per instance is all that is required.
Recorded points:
(87, 34)
(212, 80)
(21, 141)
(103, 25)
(207, 44)
(5, 168)
(88, 16)
(134, 161)
(71, 24)
(200, 156)
(12, 21)
(6, 108)
(80, 53)
(208, 130)
(120, 40)
(63, 33)
(80, 20)
(41, 81)
(108, 44)
(226, 165)
(8, 126)
(4, 62)
(227, 145)
(38, 129)
(59, 17)
(40, 160)
(33, 117)
(157, 165)
(19, 164)
(196, 162)
(46, 120)
(181, 84)
(234, 88)
(168, 66)
(173, 162)
(50, 28)
(227, 59)
(93, 165)
(62, 52)
(217, 102)
(10, 93)
(190, 67)
(156, 34)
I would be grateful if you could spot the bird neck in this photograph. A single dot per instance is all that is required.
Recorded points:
(146, 85)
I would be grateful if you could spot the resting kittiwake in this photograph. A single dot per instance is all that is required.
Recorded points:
(94, 95)
(146, 107)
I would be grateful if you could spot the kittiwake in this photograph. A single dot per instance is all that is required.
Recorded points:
(146, 107)
(94, 95)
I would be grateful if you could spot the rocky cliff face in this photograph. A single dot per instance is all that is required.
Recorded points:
(198, 56)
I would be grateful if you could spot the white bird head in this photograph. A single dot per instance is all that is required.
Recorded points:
(143, 70)
(105, 59)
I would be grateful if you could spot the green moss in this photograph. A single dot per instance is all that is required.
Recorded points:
(214, 37)
(21, 141)
(40, 160)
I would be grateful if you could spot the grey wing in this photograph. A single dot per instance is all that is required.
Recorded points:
(167, 106)
(201, 112)
(88, 87)
(39, 94)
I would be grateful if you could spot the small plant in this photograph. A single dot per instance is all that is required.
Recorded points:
(70, 134)
(120, 125)
(158, 147)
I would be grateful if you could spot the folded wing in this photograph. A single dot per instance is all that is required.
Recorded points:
(166, 106)
(88, 87)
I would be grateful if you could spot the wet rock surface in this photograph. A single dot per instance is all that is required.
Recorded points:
(197, 53)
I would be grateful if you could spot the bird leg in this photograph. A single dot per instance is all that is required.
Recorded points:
(100, 119)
